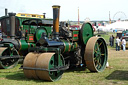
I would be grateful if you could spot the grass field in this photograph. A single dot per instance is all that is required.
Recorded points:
(117, 74)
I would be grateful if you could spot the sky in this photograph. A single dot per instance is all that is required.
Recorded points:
(92, 9)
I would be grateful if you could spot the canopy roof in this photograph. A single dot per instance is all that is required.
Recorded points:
(118, 25)
(39, 22)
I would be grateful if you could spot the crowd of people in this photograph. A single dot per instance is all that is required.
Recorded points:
(118, 42)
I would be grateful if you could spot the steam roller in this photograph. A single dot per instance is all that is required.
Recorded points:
(49, 47)
(65, 49)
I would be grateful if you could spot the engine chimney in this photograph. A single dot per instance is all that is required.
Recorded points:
(6, 11)
(44, 15)
(12, 24)
(56, 12)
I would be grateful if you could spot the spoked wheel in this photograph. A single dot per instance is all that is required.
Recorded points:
(44, 65)
(6, 63)
(96, 54)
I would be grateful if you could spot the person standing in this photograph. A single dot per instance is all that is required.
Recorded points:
(112, 40)
(123, 43)
(117, 44)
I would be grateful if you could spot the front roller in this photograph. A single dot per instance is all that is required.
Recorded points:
(96, 54)
(45, 66)
(8, 57)
(30, 61)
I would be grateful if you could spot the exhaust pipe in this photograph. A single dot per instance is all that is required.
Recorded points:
(56, 12)
(6, 11)
(44, 14)
(12, 24)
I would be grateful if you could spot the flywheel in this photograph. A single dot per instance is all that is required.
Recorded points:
(96, 54)
(86, 32)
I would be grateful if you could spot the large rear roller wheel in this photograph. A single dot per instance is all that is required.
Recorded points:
(6, 63)
(96, 54)
(45, 61)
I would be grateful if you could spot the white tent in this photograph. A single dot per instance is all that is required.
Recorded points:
(119, 25)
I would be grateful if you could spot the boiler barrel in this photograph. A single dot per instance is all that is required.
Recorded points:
(69, 46)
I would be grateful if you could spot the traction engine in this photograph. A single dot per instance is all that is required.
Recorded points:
(49, 54)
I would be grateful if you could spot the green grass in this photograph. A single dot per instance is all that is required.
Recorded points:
(118, 75)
